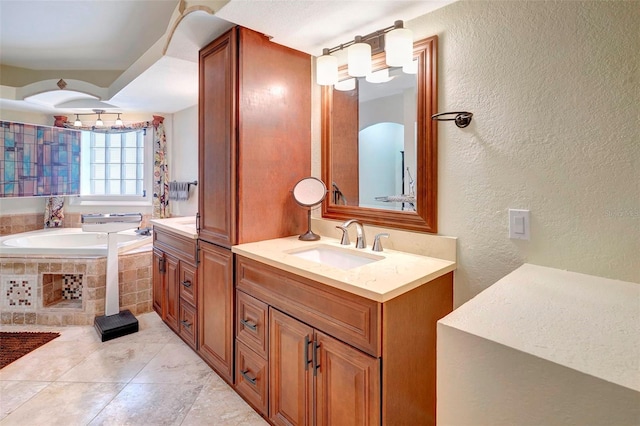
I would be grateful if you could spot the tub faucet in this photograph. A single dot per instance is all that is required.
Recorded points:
(361, 242)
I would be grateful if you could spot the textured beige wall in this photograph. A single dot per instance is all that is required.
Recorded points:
(555, 92)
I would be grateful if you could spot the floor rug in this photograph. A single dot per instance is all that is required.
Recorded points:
(14, 345)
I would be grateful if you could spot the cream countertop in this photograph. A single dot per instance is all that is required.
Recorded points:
(396, 273)
(587, 323)
(183, 225)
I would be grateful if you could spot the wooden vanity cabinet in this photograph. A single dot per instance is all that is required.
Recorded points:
(175, 282)
(333, 357)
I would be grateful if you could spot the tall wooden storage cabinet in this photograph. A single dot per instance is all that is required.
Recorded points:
(254, 146)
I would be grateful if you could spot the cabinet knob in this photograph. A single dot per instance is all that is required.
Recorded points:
(250, 325)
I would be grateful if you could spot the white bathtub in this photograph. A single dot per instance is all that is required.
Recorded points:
(67, 242)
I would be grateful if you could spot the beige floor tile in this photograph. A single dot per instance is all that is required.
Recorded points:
(218, 404)
(64, 404)
(113, 362)
(175, 363)
(149, 404)
(49, 361)
(14, 394)
(185, 388)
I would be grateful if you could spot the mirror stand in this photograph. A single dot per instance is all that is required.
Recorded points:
(309, 192)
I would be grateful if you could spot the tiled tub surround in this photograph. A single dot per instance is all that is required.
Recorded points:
(17, 223)
(23, 281)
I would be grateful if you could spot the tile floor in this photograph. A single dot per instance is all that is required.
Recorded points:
(147, 378)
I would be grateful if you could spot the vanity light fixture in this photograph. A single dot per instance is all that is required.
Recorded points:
(99, 122)
(326, 69)
(359, 58)
(395, 40)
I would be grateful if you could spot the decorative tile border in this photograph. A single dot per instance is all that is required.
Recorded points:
(19, 291)
(72, 287)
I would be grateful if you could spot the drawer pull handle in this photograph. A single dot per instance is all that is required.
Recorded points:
(253, 381)
(316, 361)
(307, 361)
(186, 323)
(250, 325)
(187, 284)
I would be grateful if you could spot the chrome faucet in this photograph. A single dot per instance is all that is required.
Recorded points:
(361, 242)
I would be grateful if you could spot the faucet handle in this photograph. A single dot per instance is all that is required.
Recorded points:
(377, 245)
(345, 235)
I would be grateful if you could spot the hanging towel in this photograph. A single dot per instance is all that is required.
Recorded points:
(179, 191)
(54, 212)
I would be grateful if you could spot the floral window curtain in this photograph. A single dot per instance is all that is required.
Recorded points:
(160, 170)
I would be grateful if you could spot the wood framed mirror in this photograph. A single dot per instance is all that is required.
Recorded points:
(392, 184)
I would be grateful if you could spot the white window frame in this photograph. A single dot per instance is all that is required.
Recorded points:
(122, 200)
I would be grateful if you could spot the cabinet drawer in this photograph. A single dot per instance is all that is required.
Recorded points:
(188, 323)
(188, 283)
(348, 317)
(251, 323)
(175, 244)
(251, 377)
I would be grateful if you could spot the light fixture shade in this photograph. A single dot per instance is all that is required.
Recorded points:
(359, 59)
(119, 121)
(99, 122)
(380, 76)
(345, 85)
(411, 67)
(77, 123)
(398, 45)
(326, 70)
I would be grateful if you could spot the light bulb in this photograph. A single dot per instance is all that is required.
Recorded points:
(99, 122)
(77, 123)
(119, 121)
(398, 46)
(359, 58)
(326, 69)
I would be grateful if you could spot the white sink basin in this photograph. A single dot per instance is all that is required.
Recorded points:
(335, 256)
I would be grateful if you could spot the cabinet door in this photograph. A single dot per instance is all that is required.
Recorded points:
(347, 384)
(172, 292)
(217, 141)
(158, 281)
(215, 309)
(290, 379)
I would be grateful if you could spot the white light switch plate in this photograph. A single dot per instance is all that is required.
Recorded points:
(519, 221)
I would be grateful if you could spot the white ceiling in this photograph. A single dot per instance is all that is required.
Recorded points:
(114, 34)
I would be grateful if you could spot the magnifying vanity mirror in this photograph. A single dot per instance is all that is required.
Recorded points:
(379, 144)
(309, 192)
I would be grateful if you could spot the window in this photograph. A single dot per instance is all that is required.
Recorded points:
(113, 166)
